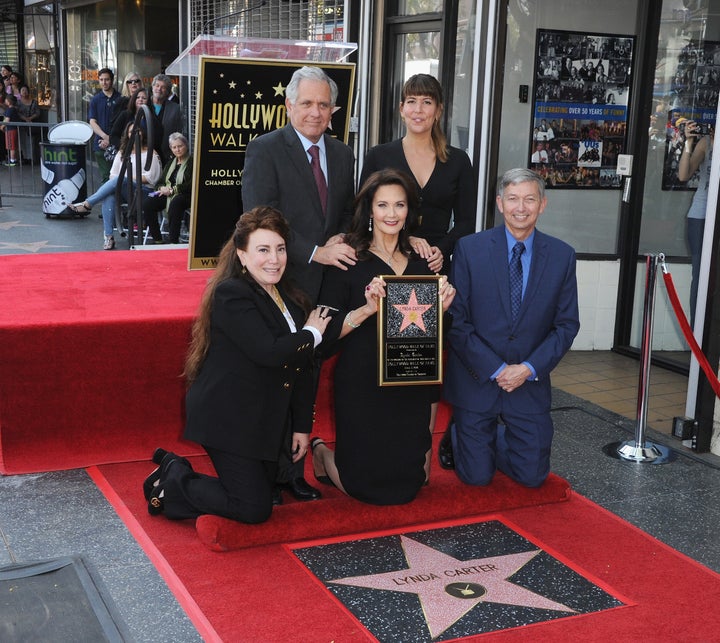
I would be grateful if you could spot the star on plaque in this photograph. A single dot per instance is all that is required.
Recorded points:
(412, 312)
(279, 89)
(449, 588)
(232, 84)
(258, 95)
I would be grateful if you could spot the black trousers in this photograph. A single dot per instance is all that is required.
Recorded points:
(242, 491)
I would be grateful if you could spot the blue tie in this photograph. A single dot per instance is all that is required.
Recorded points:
(516, 279)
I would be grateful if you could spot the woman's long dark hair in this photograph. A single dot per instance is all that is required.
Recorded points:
(229, 267)
(360, 236)
(132, 101)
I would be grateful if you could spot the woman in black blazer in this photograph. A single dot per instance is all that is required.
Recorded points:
(250, 371)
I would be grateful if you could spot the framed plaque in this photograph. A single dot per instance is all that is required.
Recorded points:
(410, 331)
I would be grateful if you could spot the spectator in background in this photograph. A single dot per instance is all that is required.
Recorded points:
(29, 111)
(131, 83)
(11, 133)
(16, 81)
(5, 72)
(100, 114)
(168, 112)
(139, 98)
(174, 187)
(106, 193)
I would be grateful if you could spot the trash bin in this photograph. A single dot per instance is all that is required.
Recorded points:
(62, 166)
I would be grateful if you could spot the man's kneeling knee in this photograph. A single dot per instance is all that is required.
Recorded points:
(475, 478)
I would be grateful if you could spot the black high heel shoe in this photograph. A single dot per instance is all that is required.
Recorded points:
(156, 504)
(150, 483)
(159, 455)
(322, 479)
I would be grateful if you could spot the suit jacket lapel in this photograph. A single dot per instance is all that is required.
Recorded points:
(537, 269)
(499, 263)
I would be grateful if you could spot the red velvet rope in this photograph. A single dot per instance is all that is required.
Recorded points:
(689, 337)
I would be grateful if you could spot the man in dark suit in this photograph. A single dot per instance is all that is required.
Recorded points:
(505, 339)
(168, 112)
(279, 172)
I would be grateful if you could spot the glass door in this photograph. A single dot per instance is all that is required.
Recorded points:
(686, 86)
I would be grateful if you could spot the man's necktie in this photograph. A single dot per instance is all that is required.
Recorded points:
(318, 174)
(516, 278)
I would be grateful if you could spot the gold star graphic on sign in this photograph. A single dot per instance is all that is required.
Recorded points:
(258, 95)
(231, 84)
(279, 89)
(222, 75)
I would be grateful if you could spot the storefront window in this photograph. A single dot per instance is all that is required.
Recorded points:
(414, 7)
(90, 47)
(40, 70)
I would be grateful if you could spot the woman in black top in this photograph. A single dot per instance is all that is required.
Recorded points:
(443, 174)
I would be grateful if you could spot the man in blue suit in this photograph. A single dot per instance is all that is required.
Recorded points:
(500, 359)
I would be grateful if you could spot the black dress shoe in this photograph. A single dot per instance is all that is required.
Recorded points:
(277, 497)
(301, 490)
(445, 451)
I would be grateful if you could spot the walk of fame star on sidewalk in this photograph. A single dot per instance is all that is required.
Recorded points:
(428, 573)
(451, 581)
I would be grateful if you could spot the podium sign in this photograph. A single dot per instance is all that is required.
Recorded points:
(239, 100)
(410, 331)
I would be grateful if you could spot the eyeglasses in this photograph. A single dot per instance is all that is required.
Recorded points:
(132, 81)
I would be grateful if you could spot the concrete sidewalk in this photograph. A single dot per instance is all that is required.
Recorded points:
(24, 229)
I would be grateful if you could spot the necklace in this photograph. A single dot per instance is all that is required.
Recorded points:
(278, 300)
(384, 254)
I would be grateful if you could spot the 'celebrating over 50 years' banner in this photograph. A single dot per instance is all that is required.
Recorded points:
(239, 100)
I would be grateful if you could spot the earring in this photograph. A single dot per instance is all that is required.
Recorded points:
(370, 224)
(244, 270)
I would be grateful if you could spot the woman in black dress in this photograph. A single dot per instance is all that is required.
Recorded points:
(443, 174)
(382, 432)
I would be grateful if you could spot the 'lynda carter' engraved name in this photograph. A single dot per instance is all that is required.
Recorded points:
(452, 573)
(230, 116)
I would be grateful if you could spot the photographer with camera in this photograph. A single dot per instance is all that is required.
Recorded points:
(696, 155)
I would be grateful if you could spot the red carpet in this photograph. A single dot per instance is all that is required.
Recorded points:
(267, 595)
(91, 355)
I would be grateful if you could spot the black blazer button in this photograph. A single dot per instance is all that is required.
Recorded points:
(286, 385)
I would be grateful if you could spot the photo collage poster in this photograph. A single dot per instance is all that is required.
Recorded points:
(582, 89)
(692, 95)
